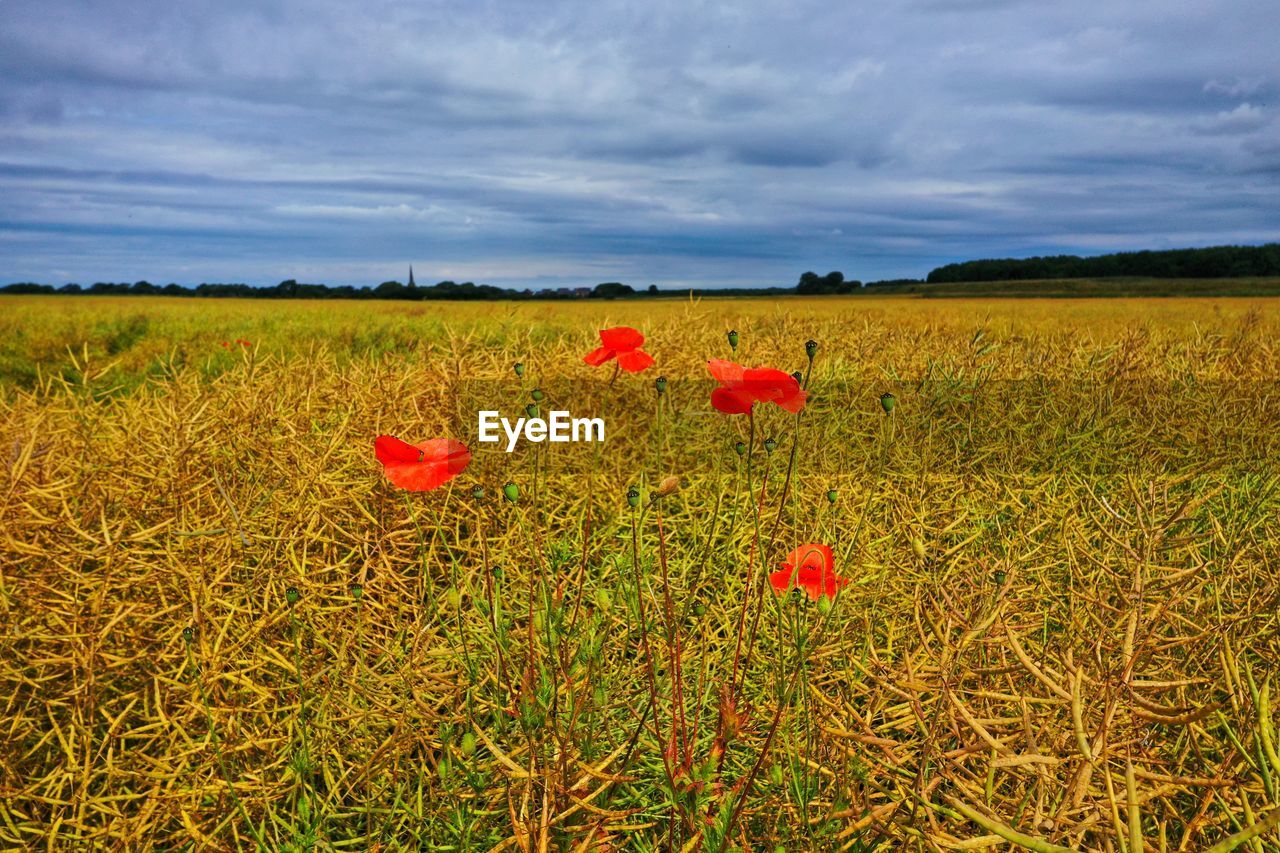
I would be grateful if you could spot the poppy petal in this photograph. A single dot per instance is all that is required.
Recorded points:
(635, 360)
(781, 581)
(768, 384)
(812, 556)
(727, 373)
(390, 449)
(598, 356)
(731, 402)
(621, 338)
(442, 460)
(817, 584)
(795, 402)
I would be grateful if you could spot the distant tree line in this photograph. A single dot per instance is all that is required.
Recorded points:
(1214, 262)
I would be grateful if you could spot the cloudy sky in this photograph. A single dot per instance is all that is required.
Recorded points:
(676, 142)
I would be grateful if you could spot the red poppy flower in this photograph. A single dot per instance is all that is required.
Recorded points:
(811, 568)
(622, 342)
(421, 467)
(226, 344)
(242, 342)
(741, 388)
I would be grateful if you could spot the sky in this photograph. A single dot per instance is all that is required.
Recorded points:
(670, 142)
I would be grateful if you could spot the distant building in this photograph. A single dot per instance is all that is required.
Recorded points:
(411, 284)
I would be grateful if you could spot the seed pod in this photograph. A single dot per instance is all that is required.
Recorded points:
(811, 348)
(797, 376)
(998, 577)
(603, 599)
(519, 368)
(825, 604)
(918, 546)
(188, 633)
(733, 339)
(292, 595)
(531, 410)
(770, 445)
(699, 609)
(661, 384)
(668, 486)
(887, 402)
(468, 744)
(633, 497)
(511, 492)
(497, 573)
(831, 496)
(357, 591)
(454, 598)
(537, 395)
(740, 448)
(478, 493)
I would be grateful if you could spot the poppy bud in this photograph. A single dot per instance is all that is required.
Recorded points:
(811, 348)
(887, 402)
(188, 633)
(603, 599)
(775, 774)
(824, 605)
(831, 496)
(292, 595)
(537, 395)
(917, 545)
(770, 445)
(661, 384)
(740, 448)
(998, 577)
(468, 744)
(519, 368)
(668, 486)
(699, 609)
(454, 598)
(633, 497)
(511, 492)
(733, 339)
(478, 493)
(531, 410)
(357, 591)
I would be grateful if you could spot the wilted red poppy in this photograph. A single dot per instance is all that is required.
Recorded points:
(622, 342)
(421, 467)
(811, 568)
(741, 388)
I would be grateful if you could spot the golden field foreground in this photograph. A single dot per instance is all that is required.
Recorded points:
(224, 628)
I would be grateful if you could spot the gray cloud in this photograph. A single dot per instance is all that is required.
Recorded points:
(573, 142)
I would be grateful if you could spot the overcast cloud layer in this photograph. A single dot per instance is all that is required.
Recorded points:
(575, 141)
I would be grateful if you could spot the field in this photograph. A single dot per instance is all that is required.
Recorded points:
(224, 628)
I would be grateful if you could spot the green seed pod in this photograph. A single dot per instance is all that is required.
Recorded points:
(537, 395)
(770, 445)
(478, 493)
(292, 595)
(733, 339)
(811, 348)
(917, 545)
(445, 769)
(603, 599)
(824, 605)
(468, 744)
(188, 634)
(633, 497)
(511, 492)
(998, 577)
(797, 376)
(740, 448)
(357, 591)
(661, 384)
(831, 496)
(519, 368)
(497, 573)
(887, 402)
(699, 609)
(454, 598)
(531, 410)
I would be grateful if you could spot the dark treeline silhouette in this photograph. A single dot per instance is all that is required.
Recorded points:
(1214, 262)
(1217, 262)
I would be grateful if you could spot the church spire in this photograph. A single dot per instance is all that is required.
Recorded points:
(411, 284)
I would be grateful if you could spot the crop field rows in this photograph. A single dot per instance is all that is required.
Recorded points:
(1049, 620)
